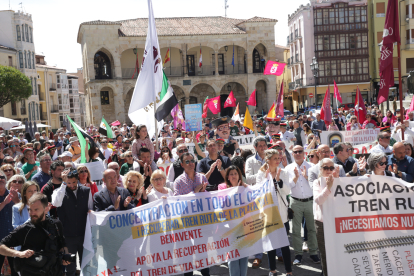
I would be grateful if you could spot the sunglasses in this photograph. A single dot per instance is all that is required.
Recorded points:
(311, 156)
(157, 179)
(6, 171)
(18, 181)
(184, 150)
(74, 173)
(165, 151)
(350, 149)
(190, 161)
(2, 177)
(128, 155)
(386, 137)
(382, 163)
(328, 168)
(11, 162)
(297, 151)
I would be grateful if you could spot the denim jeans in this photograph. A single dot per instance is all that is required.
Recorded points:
(238, 267)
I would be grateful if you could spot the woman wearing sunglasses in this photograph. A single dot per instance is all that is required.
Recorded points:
(321, 191)
(377, 164)
(85, 178)
(166, 156)
(8, 170)
(281, 183)
(353, 124)
(129, 165)
(157, 190)
(313, 157)
(16, 182)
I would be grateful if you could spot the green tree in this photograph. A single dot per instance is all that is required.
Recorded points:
(14, 85)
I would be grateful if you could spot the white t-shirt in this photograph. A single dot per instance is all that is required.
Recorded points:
(155, 195)
(107, 153)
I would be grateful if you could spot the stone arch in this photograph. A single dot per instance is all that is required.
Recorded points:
(128, 97)
(240, 59)
(239, 93)
(200, 92)
(261, 96)
(128, 61)
(193, 57)
(106, 95)
(110, 57)
(174, 67)
(259, 58)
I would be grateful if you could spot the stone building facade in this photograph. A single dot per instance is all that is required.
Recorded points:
(234, 52)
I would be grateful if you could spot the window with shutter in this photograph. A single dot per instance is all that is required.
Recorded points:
(409, 65)
(379, 37)
(395, 63)
(380, 9)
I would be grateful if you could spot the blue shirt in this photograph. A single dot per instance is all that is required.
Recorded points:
(6, 225)
(41, 178)
(215, 177)
(406, 166)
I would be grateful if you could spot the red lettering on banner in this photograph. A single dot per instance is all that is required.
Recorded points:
(136, 273)
(374, 223)
(166, 169)
(182, 236)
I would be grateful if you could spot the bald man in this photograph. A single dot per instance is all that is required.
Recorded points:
(112, 197)
(405, 164)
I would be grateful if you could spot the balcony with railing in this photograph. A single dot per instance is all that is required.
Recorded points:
(346, 27)
(287, 40)
(43, 116)
(54, 108)
(339, 53)
(297, 34)
(299, 83)
(52, 87)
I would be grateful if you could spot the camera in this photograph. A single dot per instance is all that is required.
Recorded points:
(68, 257)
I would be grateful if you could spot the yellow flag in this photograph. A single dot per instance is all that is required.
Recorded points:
(248, 122)
(272, 113)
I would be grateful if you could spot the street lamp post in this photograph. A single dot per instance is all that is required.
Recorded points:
(315, 70)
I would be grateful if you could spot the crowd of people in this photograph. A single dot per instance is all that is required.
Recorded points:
(44, 187)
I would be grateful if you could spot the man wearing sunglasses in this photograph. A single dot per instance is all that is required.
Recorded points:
(302, 205)
(73, 202)
(384, 138)
(350, 165)
(223, 132)
(323, 151)
(175, 169)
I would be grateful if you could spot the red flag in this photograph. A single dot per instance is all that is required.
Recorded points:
(337, 95)
(204, 115)
(360, 110)
(279, 110)
(274, 68)
(214, 104)
(386, 72)
(391, 32)
(136, 67)
(200, 62)
(326, 114)
(252, 99)
(231, 101)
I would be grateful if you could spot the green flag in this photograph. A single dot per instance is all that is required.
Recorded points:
(105, 129)
(82, 140)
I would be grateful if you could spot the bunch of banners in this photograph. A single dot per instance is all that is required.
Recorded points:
(374, 228)
(184, 233)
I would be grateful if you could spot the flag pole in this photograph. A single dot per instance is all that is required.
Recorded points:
(400, 86)
(156, 129)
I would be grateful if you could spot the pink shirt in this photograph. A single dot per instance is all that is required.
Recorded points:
(222, 186)
(137, 144)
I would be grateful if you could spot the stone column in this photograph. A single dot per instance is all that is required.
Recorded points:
(120, 109)
(187, 100)
(216, 63)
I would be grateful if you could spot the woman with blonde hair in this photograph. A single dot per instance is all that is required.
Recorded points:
(312, 142)
(353, 123)
(85, 178)
(158, 190)
(281, 182)
(8, 170)
(129, 165)
(20, 211)
(134, 183)
(313, 156)
(16, 182)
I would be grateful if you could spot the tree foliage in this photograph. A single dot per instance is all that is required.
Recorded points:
(14, 85)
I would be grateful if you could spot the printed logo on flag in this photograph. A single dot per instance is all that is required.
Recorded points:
(215, 103)
(274, 68)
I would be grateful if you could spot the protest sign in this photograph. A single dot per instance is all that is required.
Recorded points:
(193, 120)
(184, 233)
(244, 140)
(373, 229)
(96, 169)
(355, 137)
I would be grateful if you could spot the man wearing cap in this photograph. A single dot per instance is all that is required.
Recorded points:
(42, 177)
(66, 156)
(223, 132)
(383, 138)
(31, 166)
(273, 127)
(74, 148)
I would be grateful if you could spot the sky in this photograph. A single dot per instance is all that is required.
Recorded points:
(56, 22)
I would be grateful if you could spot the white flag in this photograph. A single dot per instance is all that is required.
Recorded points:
(149, 82)
(236, 115)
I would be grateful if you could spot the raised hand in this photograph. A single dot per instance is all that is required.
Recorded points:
(296, 172)
(355, 168)
(395, 168)
(127, 201)
(329, 182)
(218, 164)
(336, 172)
(117, 201)
(304, 172)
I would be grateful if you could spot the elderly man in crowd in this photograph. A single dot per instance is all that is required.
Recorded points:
(323, 151)
(401, 164)
(42, 177)
(175, 169)
(38, 138)
(302, 205)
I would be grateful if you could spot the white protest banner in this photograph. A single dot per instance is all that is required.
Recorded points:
(358, 149)
(245, 139)
(355, 137)
(164, 167)
(190, 147)
(372, 233)
(184, 233)
(96, 169)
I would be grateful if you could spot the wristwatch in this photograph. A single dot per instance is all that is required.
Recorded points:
(220, 169)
